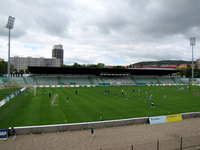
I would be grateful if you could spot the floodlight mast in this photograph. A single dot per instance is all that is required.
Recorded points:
(192, 43)
(10, 25)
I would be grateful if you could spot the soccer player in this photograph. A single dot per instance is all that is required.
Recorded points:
(122, 92)
(13, 133)
(76, 92)
(92, 131)
(67, 99)
(101, 119)
(125, 93)
(133, 90)
(188, 87)
(127, 98)
(105, 91)
(152, 105)
(49, 95)
(150, 98)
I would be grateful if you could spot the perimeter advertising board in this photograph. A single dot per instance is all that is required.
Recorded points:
(3, 134)
(173, 118)
(157, 119)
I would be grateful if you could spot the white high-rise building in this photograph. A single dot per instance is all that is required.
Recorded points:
(58, 52)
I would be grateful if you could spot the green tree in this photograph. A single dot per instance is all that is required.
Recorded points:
(11, 68)
(118, 67)
(27, 70)
(91, 66)
(188, 72)
(100, 65)
(183, 72)
(198, 73)
(3, 67)
(21, 71)
(76, 65)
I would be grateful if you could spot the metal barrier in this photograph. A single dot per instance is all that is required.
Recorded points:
(182, 143)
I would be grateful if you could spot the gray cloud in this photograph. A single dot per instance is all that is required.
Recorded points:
(93, 30)
(172, 17)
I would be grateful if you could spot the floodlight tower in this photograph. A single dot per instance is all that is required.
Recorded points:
(9, 25)
(192, 43)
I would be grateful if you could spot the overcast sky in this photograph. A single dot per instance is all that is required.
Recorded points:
(113, 32)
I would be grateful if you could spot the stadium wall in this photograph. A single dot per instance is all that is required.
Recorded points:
(85, 126)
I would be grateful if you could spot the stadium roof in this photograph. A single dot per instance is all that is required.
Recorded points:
(99, 71)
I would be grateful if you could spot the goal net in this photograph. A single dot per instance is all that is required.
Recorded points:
(55, 100)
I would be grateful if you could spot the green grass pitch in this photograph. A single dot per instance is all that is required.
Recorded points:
(91, 103)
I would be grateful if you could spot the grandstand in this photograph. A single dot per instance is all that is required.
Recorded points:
(96, 76)
(147, 80)
(19, 80)
(165, 80)
(185, 80)
(95, 80)
(3, 81)
(126, 80)
(74, 80)
(29, 80)
(178, 80)
(198, 80)
(90, 76)
(113, 80)
(46, 80)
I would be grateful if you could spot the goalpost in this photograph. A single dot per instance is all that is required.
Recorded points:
(55, 100)
(35, 91)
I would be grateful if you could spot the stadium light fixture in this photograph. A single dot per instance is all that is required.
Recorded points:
(192, 43)
(10, 25)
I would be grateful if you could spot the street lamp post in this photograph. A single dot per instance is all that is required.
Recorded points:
(9, 25)
(192, 43)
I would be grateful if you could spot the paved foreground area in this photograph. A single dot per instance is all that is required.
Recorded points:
(142, 136)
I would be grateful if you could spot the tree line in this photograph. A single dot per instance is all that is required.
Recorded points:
(184, 72)
(187, 72)
(99, 65)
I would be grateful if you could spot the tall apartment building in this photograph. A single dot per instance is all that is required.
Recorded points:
(198, 63)
(22, 63)
(58, 52)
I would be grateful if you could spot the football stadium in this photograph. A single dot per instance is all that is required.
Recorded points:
(128, 77)
(56, 100)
